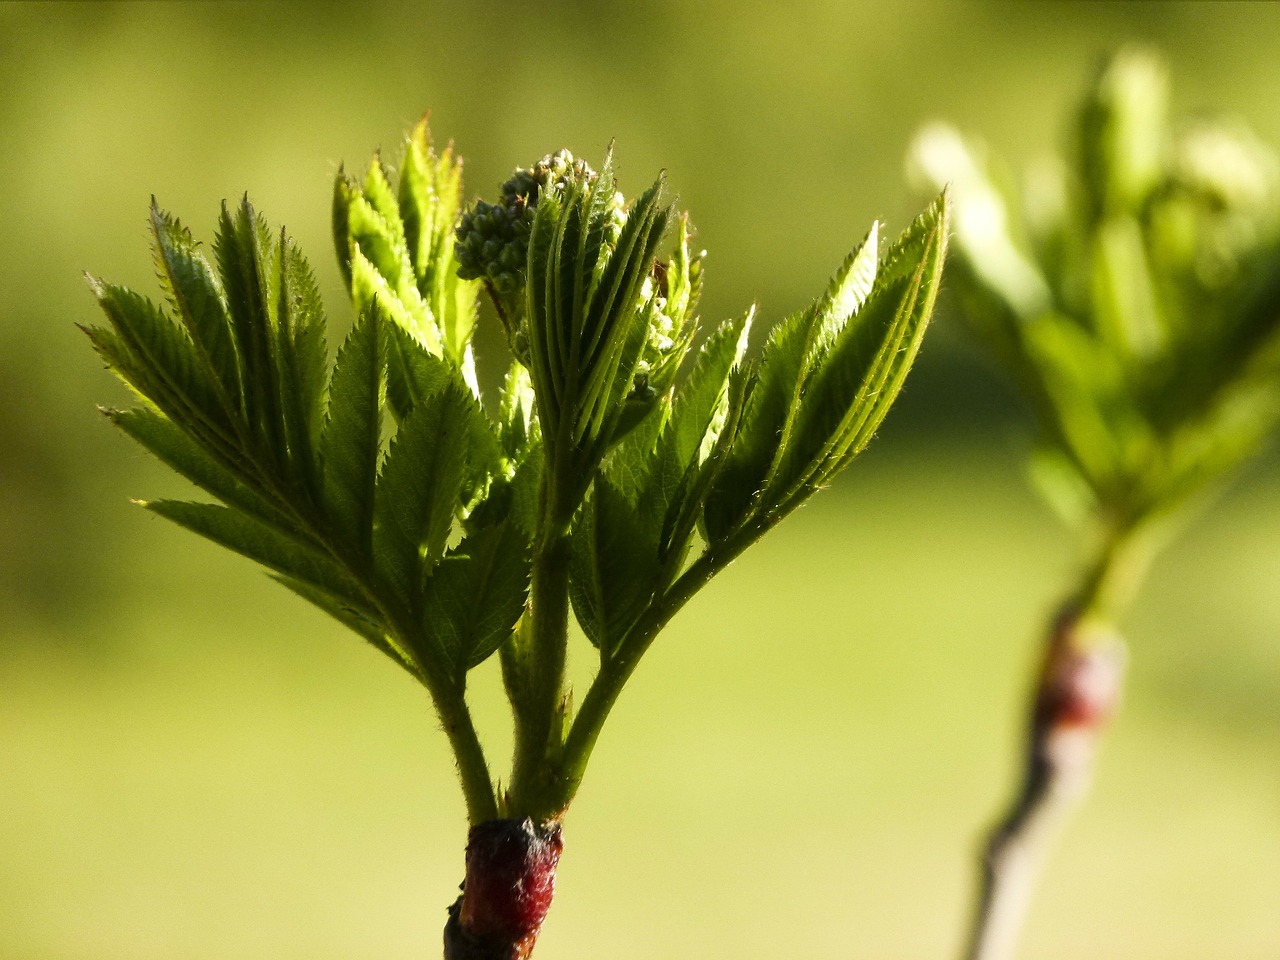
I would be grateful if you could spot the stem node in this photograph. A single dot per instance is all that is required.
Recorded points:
(510, 881)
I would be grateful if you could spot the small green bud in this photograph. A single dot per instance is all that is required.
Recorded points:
(499, 233)
(670, 294)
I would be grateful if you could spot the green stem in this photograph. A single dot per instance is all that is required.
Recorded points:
(473, 770)
(617, 670)
(1119, 562)
(540, 700)
(448, 697)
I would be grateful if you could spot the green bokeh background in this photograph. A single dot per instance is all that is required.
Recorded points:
(193, 764)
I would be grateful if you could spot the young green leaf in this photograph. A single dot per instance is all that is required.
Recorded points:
(825, 384)
(792, 352)
(615, 565)
(428, 206)
(292, 555)
(868, 360)
(475, 596)
(704, 395)
(585, 319)
(612, 330)
(198, 298)
(352, 436)
(225, 479)
(525, 487)
(397, 296)
(251, 279)
(413, 372)
(756, 445)
(344, 193)
(690, 454)
(517, 423)
(158, 358)
(420, 489)
(430, 194)
(302, 360)
(382, 198)
(380, 240)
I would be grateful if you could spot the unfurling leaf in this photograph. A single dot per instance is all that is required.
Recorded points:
(585, 320)
(826, 381)
(396, 245)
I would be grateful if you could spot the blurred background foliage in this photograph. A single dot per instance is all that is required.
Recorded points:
(194, 764)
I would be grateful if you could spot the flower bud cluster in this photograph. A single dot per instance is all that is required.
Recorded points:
(493, 238)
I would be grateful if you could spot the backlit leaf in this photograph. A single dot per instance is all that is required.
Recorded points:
(352, 436)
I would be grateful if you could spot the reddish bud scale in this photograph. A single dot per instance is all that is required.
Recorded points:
(1080, 688)
(511, 878)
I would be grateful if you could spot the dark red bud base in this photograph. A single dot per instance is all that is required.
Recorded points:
(511, 878)
(1080, 686)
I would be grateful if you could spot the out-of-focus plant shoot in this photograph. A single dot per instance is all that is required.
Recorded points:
(1132, 293)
